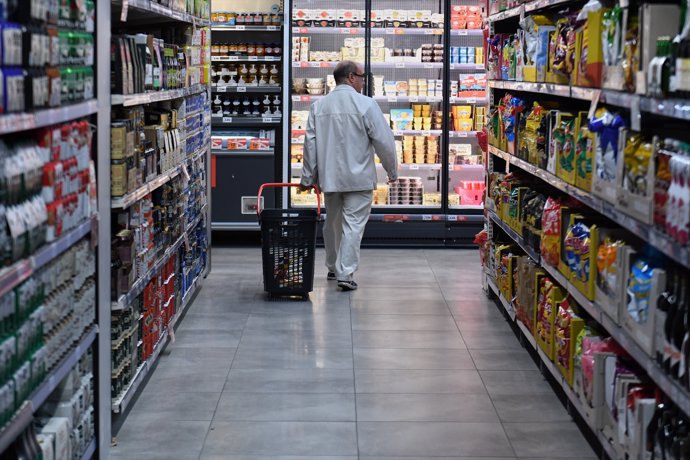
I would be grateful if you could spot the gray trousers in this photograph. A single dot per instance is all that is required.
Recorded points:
(347, 215)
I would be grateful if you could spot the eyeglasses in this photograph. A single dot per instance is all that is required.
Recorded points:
(358, 75)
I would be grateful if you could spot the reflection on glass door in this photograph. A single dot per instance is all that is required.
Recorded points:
(407, 55)
(468, 101)
(322, 36)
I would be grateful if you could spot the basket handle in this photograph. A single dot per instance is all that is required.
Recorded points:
(288, 184)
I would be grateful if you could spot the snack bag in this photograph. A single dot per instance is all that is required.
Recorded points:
(607, 270)
(577, 251)
(607, 127)
(584, 152)
(533, 138)
(550, 248)
(639, 291)
(636, 165)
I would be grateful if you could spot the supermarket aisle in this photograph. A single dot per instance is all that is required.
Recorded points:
(416, 363)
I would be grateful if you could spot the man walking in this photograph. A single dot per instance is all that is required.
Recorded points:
(343, 131)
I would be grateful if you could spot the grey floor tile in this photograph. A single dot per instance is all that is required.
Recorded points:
(281, 438)
(378, 457)
(207, 339)
(296, 339)
(530, 408)
(116, 453)
(432, 439)
(177, 439)
(286, 407)
(395, 307)
(374, 292)
(188, 356)
(486, 323)
(362, 322)
(181, 379)
(424, 382)
(407, 339)
(425, 408)
(225, 321)
(516, 383)
(491, 340)
(290, 381)
(332, 322)
(293, 358)
(412, 358)
(503, 360)
(550, 440)
(183, 406)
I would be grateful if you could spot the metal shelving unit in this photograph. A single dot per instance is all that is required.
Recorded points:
(130, 100)
(147, 9)
(15, 122)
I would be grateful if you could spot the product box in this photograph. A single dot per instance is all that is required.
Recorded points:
(636, 171)
(584, 155)
(505, 267)
(552, 76)
(566, 165)
(591, 391)
(549, 295)
(567, 327)
(609, 289)
(639, 314)
(589, 52)
(525, 295)
(401, 119)
(559, 124)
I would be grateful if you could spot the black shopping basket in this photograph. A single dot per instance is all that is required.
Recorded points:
(288, 243)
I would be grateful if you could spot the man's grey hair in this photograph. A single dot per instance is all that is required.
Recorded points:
(343, 70)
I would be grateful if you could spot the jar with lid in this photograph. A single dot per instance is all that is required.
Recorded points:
(232, 49)
(258, 19)
(260, 49)
(221, 18)
(266, 19)
(277, 50)
(276, 19)
(268, 49)
(215, 50)
(223, 50)
(251, 49)
(242, 49)
(231, 19)
(241, 19)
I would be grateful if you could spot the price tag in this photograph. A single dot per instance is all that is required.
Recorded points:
(296, 98)
(314, 64)
(253, 58)
(241, 89)
(397, 133)
(296, 64)
(125, 9)
(635, 117)
(595, 102)
(460, 134)
(479, 66)
(269, 119)
(231, 58)
(426, 217)
(426, 133)
(272, 28)
(345, 31)
(471, 100)
(462, 32)
(221, 89)
(414, 167)
(295, 30)
(392, 99)
(240, 27)
(399, 31)
(227, 119)
(429, 32)
(399, 65)
(452, 218)
(303, 30)
(305, 98)
(428, 65)
(414, 99)
(390, 31)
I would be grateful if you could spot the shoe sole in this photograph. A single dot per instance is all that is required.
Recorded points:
(347, 286)
(331, 278)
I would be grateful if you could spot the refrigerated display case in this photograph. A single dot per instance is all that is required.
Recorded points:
(406, 55)
(247, 107)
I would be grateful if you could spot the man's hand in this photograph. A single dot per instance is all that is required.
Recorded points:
(304, 188)
(392, 181)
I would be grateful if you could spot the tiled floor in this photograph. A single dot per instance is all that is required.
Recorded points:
(415, 364)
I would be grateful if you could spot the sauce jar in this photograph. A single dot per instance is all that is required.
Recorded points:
(242, 49)
(251, 49)
(260, 49)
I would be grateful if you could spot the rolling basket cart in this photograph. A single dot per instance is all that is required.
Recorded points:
(288, 243)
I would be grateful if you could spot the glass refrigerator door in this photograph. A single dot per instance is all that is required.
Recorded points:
(468, 102)
(406, 69)
(322, 36)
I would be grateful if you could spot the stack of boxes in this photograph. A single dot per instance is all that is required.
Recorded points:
(469, 86)
(466, 55)
(418, 149)
(465, 17)
(300, 48)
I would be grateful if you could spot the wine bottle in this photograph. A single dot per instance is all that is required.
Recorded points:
(682, 58)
